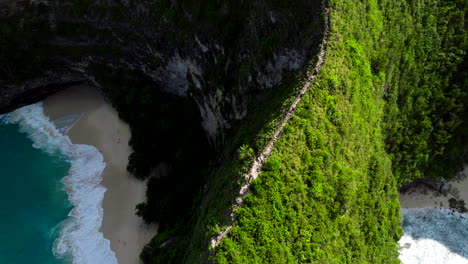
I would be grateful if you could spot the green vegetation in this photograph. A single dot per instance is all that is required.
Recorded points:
(381, 112)
(423, 46)
(327, 194)
(189, 242)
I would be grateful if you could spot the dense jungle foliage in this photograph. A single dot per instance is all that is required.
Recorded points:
(386, 100)
(386, 109)
(421, 54)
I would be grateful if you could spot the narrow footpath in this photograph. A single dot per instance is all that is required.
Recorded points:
(260, 160)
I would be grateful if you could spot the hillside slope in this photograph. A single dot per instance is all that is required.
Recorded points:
(382, 111)
(328, 193)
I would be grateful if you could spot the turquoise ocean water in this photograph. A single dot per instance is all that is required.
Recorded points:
(50, 193)
(33, 202)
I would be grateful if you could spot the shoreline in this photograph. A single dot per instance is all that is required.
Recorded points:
(100, 126)
(433, 231)
(421, 196)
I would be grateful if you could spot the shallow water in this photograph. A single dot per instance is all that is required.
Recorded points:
(434, 236)
(32, 200)
(51, 206)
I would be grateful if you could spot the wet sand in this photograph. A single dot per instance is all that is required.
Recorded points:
(100, 126)
(422, 196)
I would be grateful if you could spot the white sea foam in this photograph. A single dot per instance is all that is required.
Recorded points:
(80, 237)
(434, 236)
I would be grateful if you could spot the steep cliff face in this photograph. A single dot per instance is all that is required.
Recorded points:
(223, 54)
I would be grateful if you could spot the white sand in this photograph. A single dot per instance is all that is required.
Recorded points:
(101, 127)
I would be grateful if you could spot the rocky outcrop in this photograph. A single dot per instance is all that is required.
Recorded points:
(224, 55)
(440, 185)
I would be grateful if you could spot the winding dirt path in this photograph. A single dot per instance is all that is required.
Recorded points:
(260, 160)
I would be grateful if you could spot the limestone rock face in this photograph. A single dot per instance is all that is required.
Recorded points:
(226, 55)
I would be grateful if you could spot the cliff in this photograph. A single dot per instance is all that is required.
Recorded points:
(184, 74)
(224, 55)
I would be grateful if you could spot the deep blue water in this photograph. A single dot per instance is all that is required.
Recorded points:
(33, 202)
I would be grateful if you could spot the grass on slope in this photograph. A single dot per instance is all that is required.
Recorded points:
(327, 194)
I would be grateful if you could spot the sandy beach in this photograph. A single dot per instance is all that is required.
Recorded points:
(100, 126)
(421, 196)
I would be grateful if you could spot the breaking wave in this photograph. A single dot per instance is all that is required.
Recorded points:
(79, 236)
(433, 235)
